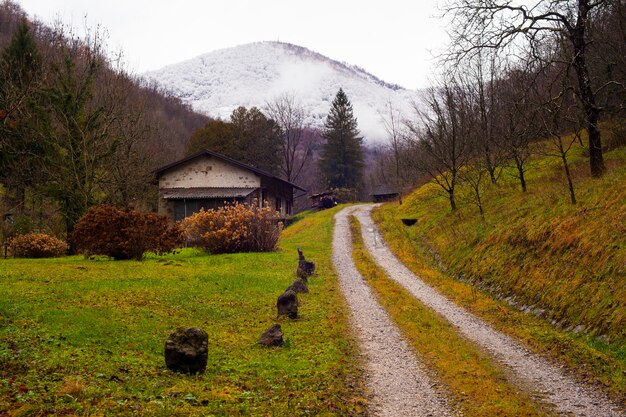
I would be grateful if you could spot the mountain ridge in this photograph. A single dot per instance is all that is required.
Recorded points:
(252, 74)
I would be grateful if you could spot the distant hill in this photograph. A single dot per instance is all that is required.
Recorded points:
(252, 74)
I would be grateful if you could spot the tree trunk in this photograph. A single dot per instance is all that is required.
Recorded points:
(452, 200)
(570, 183)
(520, 171)
(586, 93)
(490, 168)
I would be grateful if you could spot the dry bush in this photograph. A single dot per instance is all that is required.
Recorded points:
(37, 245)
(124, 233)
(233, 228)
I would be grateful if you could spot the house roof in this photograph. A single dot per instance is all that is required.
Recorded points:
(322, 194)
(207, 152)
(213, 192)
(384, 190)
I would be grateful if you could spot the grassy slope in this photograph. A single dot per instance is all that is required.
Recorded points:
(86, 337)
(537, 248)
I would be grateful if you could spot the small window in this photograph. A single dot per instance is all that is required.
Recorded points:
(279, 204)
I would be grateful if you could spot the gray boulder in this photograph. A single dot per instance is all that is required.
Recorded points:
(186, 350)
(298, 286)
(305, 268)
(287, 304)
(272, 336)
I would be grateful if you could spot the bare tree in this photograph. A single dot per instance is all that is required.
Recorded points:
(474, 175)
(480, 75)
(441, 135)
(559, 116)
(516, 125)
(498, 24)
(296, 143)
(392, 122)
(128, 174)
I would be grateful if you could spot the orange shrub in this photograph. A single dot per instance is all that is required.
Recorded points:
(37, 245)
(233, 228)
(124, 233)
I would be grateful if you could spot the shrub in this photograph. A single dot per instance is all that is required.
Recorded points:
(124, 233)
(233, 228)
(345, 195)
(37, 245)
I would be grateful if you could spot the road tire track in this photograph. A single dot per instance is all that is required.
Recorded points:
(548, 381)
(396, 381)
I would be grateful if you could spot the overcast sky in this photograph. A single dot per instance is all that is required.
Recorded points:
(393, 39)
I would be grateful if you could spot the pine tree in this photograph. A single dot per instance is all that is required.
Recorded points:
(20, 73)
(341, 159)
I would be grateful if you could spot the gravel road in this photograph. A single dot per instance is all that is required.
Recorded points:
(395, 377)
(548, 381)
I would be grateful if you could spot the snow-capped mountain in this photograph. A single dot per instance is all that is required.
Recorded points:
(253, 74)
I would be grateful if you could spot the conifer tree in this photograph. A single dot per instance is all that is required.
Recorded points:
(341, 159)
(20, 73)
(249, 137)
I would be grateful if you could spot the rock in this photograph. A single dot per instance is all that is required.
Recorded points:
(305, 268)
(186, 350)
(272, 336)
(298, 286)
(287, 304)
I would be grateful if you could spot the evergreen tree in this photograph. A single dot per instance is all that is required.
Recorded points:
(20, 73)
(249, 137)
(341, 159)
(257, 139)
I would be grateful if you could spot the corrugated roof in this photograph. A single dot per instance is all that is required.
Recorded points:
(197, 193)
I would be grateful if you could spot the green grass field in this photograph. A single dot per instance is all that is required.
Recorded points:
(86, 337)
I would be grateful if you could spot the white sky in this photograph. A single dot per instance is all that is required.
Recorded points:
(393, 39)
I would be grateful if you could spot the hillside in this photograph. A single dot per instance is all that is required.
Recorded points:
(250, 75)
(561, 263)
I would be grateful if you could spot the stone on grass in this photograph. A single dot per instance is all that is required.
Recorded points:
(298, 286)
(186, 350)
(305, 268)
(272, 336)
(287, 304)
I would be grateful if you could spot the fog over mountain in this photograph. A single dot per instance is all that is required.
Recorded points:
(253, 74)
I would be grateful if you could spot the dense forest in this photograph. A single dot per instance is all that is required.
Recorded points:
(76, 128)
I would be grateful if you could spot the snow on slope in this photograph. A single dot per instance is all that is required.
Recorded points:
(253, 74)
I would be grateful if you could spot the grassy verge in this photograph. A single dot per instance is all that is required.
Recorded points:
(477, 387)
(81, 337)
(565, 263)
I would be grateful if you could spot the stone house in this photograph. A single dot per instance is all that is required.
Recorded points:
(208, 179)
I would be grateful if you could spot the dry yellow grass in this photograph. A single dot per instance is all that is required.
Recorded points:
(475, 384)
(566, 263)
